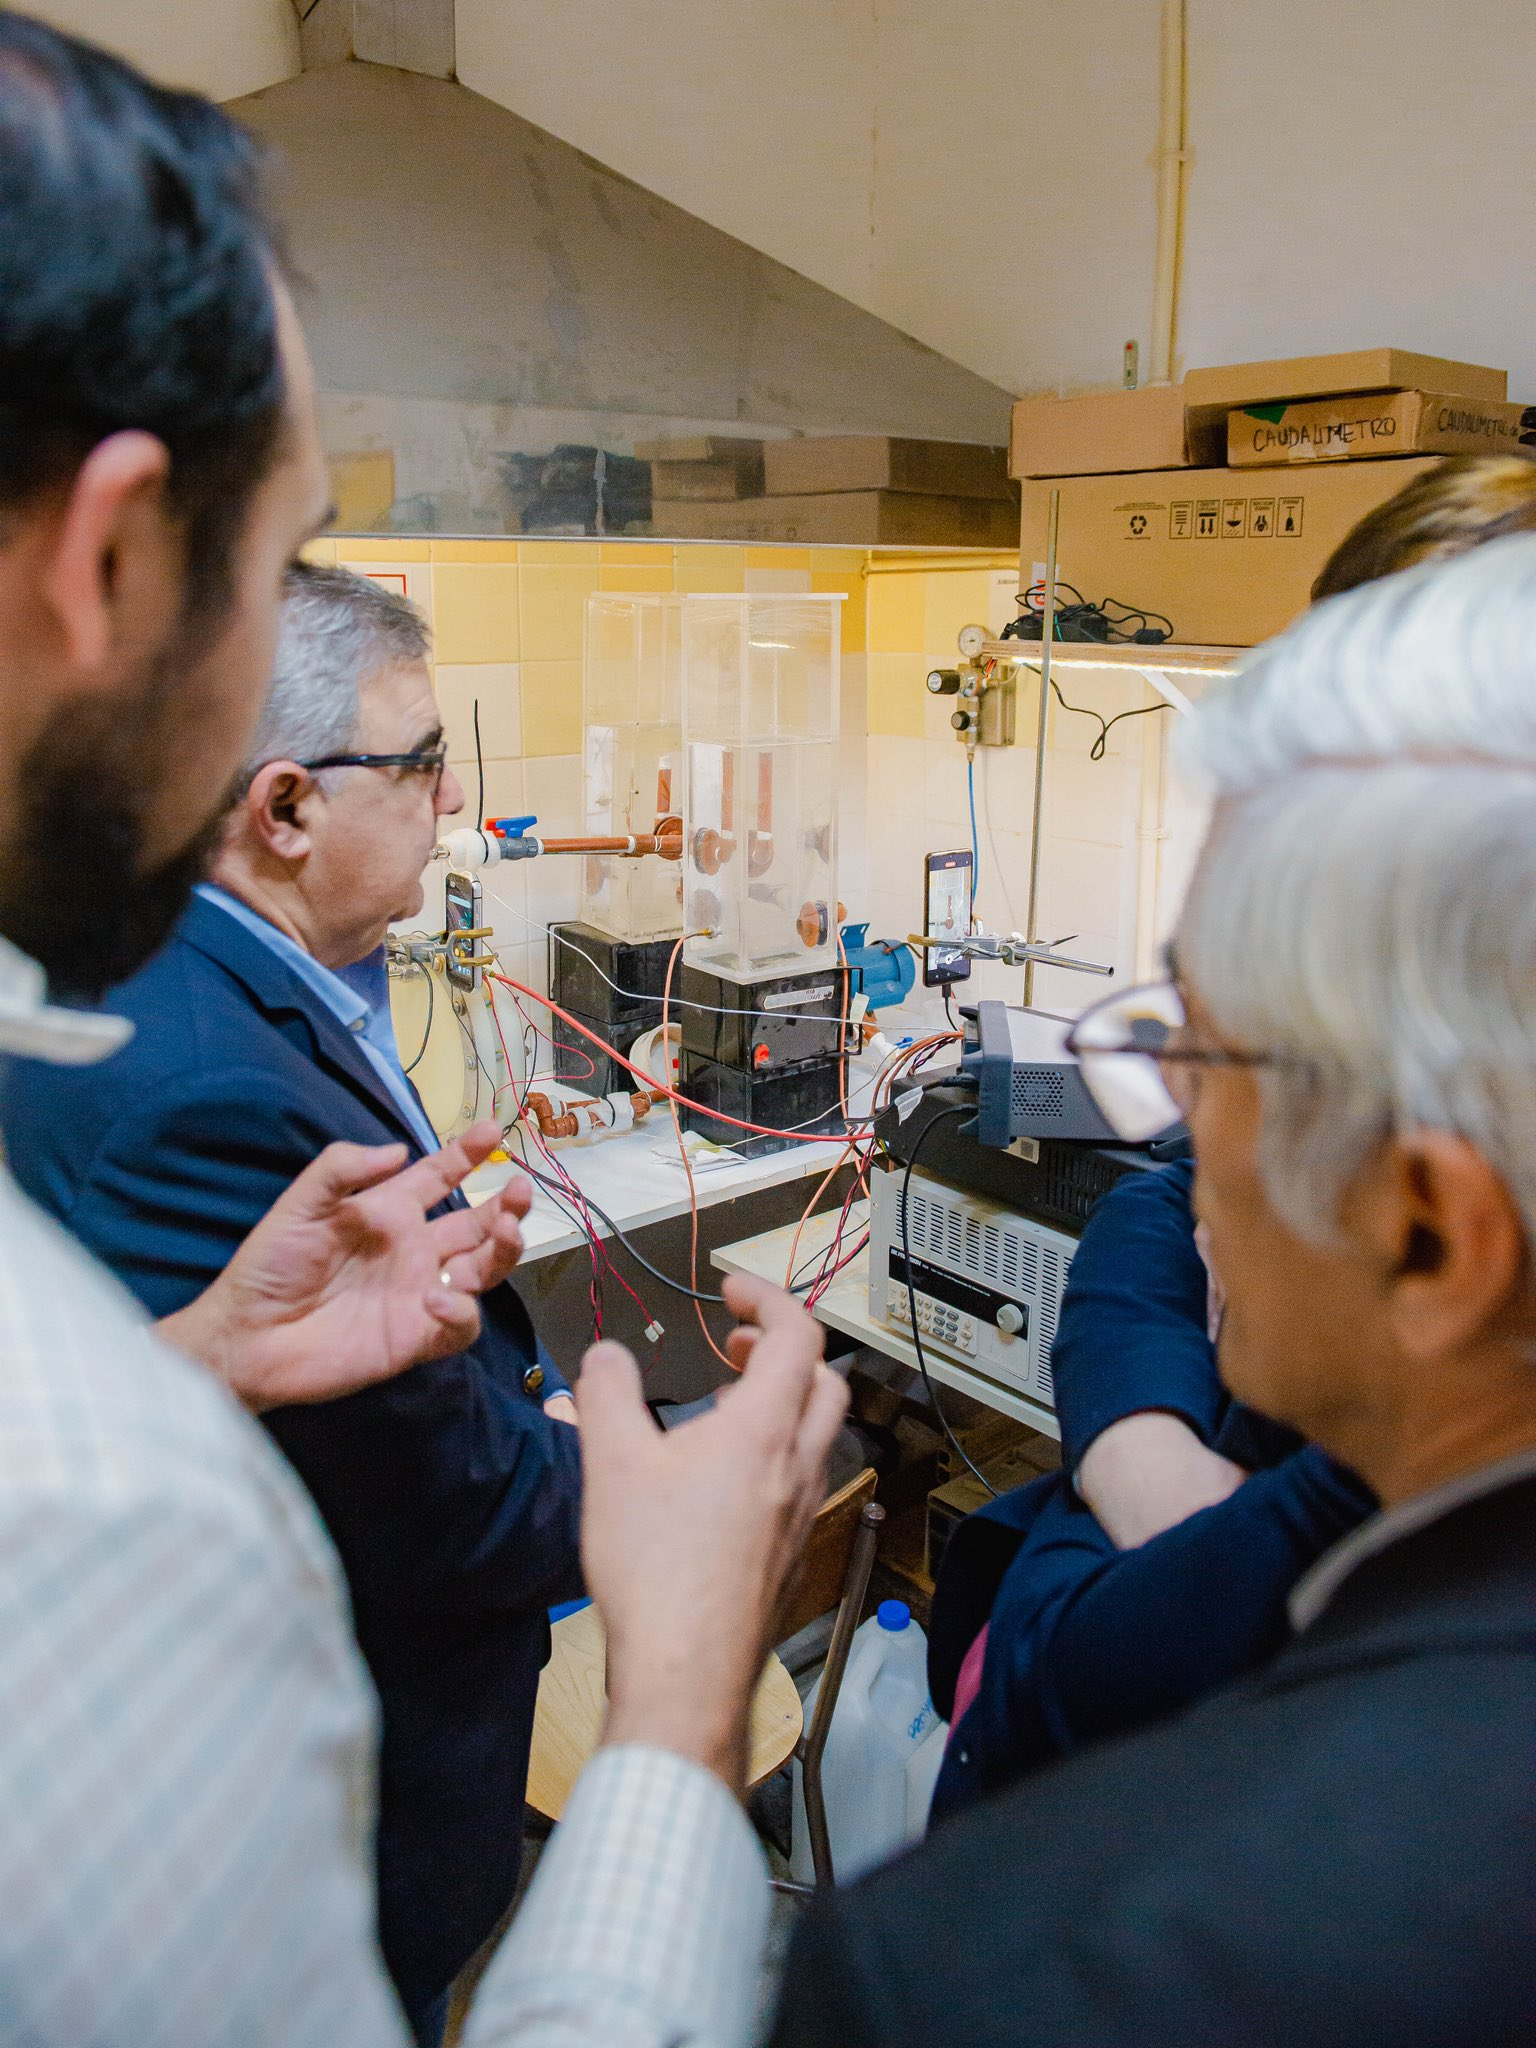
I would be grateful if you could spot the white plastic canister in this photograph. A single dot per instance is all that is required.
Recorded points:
(883, 1750)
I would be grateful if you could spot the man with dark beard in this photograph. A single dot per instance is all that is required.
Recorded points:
(185, 1729)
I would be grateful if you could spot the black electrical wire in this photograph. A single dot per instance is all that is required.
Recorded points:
(480, 772)
(1106, 725)
(678, 1286)
(415, 1063)
(942, 1116)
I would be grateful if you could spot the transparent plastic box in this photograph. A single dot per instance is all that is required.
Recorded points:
(760, 716)
(632, 759)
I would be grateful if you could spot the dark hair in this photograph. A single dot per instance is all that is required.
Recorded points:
(1459, 504)
(137, 261)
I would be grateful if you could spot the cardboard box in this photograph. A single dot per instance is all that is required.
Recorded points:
(1228, 556)
(844, 518)
(882, 462)
(740, 477)
(1378, 423)
(700, 448)
(1210, 394)
(1097, 432)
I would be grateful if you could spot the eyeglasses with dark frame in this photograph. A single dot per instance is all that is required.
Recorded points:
(423, 761)
(1139, 1063)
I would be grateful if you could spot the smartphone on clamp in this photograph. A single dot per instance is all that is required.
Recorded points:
(947, 879)
(462, 899)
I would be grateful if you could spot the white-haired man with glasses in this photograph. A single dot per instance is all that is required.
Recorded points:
(262, 1033)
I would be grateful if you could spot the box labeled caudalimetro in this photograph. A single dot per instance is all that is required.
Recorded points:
(1376, 423)
(1229, 556)
(1210, 394)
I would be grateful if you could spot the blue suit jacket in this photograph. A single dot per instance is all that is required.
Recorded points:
(1085, 1640)
(452, 1498)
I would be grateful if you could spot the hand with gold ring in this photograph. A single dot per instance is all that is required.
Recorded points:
(349, 1279)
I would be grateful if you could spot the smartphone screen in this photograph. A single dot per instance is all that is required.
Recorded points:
(461, 900)
(946, 915)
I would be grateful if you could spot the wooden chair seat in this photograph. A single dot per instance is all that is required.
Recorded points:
(573, 1699)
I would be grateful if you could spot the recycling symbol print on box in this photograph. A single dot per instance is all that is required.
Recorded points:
(1138, 522)
(1138, 518)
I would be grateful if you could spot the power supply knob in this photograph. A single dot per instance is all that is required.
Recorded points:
(1010, 1319)
(944, 682)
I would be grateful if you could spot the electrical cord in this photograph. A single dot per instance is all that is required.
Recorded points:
(970, 791)
(426, 1035)
(1106, 725)
(942, 1116)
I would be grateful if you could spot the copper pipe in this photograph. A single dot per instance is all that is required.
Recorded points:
(566, 1123)
(669, 845)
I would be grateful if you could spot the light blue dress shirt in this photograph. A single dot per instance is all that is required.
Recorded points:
(358, 997)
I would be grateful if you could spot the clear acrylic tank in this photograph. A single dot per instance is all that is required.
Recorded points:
(632, 749)
(760, 711)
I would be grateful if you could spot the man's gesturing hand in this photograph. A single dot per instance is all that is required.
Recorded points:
(688, 1537)
(345, 1281)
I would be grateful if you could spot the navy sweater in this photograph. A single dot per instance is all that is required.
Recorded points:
(1085, 1640)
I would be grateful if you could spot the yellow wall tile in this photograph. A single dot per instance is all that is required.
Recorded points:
(566, 553)
(897, 613)
(474, 550)
(319, 551)
(553, 605)
(651, 552)
(710, 566)
(955, 598)
(494, 684)
(475, 611)
(839, 561)
(635, 576)
(897, 695)
(380, 547)
(852, 609)
(778, 558)
(551, 693)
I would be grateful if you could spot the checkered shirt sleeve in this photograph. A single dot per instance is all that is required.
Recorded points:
(645, 1923)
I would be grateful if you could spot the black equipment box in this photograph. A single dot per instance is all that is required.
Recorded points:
(1054, 1180)
(762, 1027)
(586, 1066)
(804, 1099)
(615, 980)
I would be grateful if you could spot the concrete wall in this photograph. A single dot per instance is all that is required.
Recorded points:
(975, 172)
(978, 172)
(478, 286)
(221, 47)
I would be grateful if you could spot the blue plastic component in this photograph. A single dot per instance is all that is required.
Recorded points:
(511, 828)
(881, 969)
(893, 1616)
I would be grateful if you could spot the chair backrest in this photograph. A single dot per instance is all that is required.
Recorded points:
(823, 1575)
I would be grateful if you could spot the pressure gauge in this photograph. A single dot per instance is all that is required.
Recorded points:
(972, 640)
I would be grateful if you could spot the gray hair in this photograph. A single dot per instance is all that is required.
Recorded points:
(1376, 925)
(336, 629)
(1438, 662)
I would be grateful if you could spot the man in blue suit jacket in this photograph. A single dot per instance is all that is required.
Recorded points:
(451, 1494)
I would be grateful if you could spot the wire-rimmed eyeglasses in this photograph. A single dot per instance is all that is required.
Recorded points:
(1141, 1063)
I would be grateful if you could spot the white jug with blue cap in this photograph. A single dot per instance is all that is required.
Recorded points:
(883, 1750)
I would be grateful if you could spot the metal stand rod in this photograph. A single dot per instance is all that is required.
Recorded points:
(1037, 821)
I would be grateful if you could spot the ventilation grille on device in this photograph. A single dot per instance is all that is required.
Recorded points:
(1038, 1092)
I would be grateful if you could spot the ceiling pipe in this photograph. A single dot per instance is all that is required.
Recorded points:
(1170, 158)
